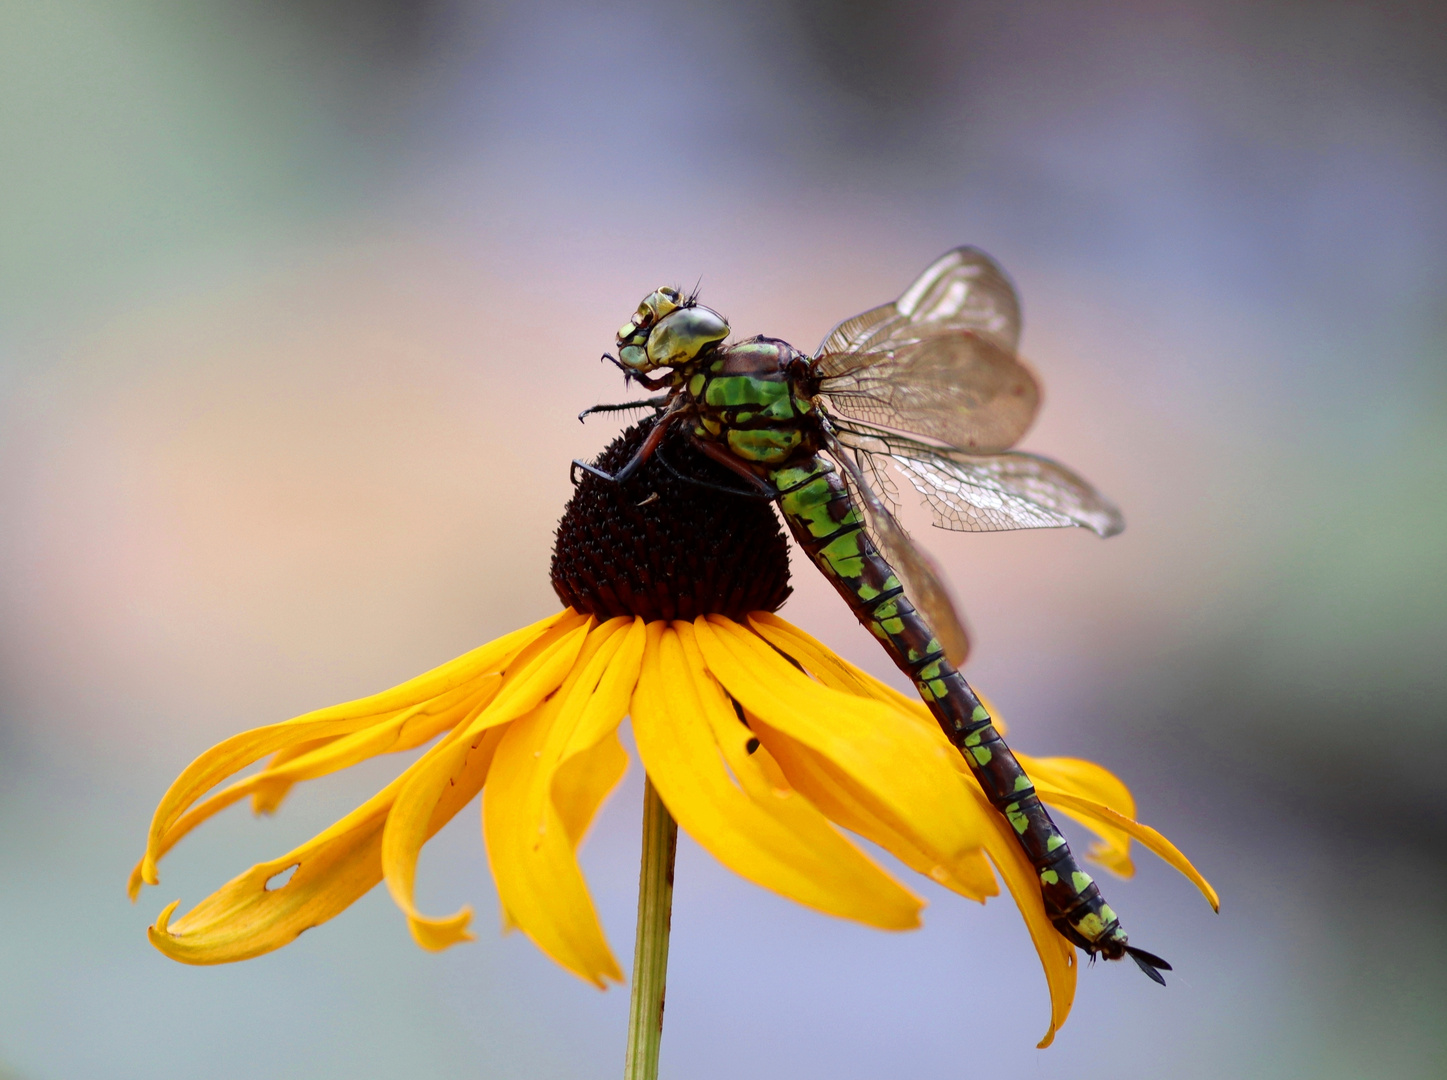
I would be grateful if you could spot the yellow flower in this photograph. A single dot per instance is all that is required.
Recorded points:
(762, 744)
(531, 720)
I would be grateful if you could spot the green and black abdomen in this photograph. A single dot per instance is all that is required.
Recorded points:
(829, 527)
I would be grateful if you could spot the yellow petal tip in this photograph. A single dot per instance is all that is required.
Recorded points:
(163, 920)
(434, 935)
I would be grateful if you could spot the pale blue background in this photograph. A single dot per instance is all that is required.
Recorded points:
(298, 301)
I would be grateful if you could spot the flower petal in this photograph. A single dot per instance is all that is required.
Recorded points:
(539, 882)
(696, 753)
(246, 918)
(529, 844)
(1099, 785)
(826, 665)
(584, 781)
(1150, 839)
(231, 755)
(847, 804)
(1057, 955)
(600, 716)
(267, 800)
(409, 729)
(588, 760)
(533, 674)
(405, 731)
(839, 674)
(908, 769)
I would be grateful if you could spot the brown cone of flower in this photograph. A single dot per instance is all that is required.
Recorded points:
(664, 547)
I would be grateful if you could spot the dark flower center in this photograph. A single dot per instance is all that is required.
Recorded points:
(662, 547)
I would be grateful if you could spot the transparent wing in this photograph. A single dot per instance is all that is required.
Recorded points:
(963, 288)
(876, 472)
(939, 362)
(917, 571)
(988, 492)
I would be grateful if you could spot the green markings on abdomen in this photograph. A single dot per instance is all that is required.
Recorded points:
(834, 529)
(829, 527)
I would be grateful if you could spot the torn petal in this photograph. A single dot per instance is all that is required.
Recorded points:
(236, 753)
(247, 918)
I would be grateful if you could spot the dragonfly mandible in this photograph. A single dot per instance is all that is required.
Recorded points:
(930, 384)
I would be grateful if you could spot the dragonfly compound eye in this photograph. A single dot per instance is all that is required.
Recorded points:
(633, 334)
(681, 336)
(656, 305)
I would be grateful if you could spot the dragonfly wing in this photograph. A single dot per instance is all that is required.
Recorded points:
(940, 361)
(990, 492)
(852, 335)
(917, 571)
(954, 387)
(966, 288)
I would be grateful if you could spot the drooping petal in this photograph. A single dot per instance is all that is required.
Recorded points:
(839, 674)
(845, 803)
(1057, 955)
(408, 729)
(1098, 784)
(968, 874)
(246, 918)
(609, 701)
(1083, 790)
(584, 780)
(1087, 809)
(530, 845)
(266, 800)
(589, 759)
(907, 770)
(536, 671)
(405, 731)
(696, 753)
(236, 753)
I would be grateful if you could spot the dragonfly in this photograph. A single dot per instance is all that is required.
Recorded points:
(931, 385)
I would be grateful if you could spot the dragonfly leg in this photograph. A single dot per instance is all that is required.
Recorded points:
(650, 444)
(758, 487)
(655, 403)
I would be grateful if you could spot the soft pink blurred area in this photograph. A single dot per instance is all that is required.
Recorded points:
(298, 306)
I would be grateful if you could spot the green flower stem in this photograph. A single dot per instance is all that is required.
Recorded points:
(650, 951)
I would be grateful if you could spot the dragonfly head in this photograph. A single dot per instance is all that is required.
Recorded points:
(667, 330)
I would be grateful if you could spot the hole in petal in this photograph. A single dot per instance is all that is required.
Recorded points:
(280, 878)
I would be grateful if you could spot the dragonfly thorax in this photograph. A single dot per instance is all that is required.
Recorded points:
(754, 397)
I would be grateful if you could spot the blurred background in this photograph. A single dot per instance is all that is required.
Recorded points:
(298, 303)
